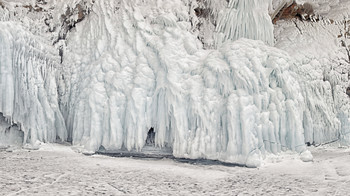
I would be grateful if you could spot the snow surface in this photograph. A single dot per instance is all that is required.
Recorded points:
(58, 170)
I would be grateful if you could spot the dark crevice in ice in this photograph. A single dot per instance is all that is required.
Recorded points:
(140, 155)
(150, 137)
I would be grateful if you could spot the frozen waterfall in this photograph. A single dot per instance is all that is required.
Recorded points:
(232, 104)
(133, 65)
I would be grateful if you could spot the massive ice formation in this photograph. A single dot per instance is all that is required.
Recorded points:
(147, 70)
(28, 92)
(130, 65)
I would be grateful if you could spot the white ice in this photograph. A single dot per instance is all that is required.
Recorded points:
(28, 90)
(147, 70)
(133, 65)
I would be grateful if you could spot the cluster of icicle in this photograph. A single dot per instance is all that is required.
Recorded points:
(147, 70)
(28, 90)
(133, 65)
(249, 19)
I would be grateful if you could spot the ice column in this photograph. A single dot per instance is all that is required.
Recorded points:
(248, 19)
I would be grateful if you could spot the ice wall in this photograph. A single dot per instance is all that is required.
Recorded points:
(321, 62)
(28, 92)
(123, 77)
(128, 66)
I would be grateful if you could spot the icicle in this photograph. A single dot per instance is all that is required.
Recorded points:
(25, 98)
(247, 19)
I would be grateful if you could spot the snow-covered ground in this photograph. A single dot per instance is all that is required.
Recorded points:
(60, 170)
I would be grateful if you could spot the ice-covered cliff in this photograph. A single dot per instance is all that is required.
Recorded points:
(103, 73)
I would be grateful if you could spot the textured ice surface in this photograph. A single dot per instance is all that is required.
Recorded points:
(132, 65)
(28, 92)
(125, 76)
(322, 68)
(247, 19)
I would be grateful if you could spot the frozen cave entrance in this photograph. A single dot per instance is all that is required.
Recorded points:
(149, 150)
(150, 137)
(10, 133)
